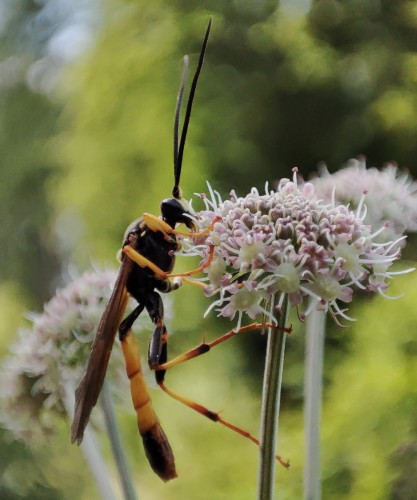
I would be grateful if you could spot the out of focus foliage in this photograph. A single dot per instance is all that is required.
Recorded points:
(275, 92)
(87, 95)
(26, 121)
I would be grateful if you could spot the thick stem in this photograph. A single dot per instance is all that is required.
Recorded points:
(91, 451)
(116, 445)
(271, 396)
(313, 382)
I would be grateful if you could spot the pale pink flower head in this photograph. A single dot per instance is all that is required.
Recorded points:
(287, 243)
(390, 195)
(48, 358)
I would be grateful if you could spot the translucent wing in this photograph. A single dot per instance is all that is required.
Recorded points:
(90, 386)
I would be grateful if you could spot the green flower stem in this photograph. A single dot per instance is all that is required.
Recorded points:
(97, 465)
(91, 451)
(271, 396)
(116, 445)
(313, 382)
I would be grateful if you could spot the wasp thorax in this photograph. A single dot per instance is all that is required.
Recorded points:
(177, 211)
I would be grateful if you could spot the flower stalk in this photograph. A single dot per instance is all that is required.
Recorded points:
(119, 455)
(271, 397)
(313, 383)
(91, 450)
(290, 248)
(45, 364)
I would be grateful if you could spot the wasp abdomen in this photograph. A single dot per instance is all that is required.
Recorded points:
(156, 444)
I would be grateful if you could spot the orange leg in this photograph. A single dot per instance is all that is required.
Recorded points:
(197, 234)
(144, 262)
(215, 417)
(198, 351)
(198, 269)
(205, 347)
(154, 223)
(197, 283)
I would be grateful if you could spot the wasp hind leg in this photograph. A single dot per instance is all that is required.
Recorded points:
(205, 347)
(155, 442)
(126, 325)
(164, 364)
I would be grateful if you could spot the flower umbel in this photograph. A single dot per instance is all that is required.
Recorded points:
(50, 357)
(288, 243)
(391, 195)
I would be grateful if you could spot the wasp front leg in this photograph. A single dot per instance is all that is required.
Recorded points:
(154, 223)
(144, 262)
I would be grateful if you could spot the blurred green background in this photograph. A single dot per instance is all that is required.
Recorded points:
(87, 96)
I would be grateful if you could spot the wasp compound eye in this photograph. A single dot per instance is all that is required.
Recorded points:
(176, 211)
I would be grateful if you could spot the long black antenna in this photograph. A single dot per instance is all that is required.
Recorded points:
(177, 111)
(179, 151)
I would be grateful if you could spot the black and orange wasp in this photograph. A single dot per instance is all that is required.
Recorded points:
(147, 261)
(155, 240)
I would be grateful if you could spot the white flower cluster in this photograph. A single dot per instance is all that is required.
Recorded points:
(287, 243)
(391, 195)
(49, 358)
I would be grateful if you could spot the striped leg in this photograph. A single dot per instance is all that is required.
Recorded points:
(202, 410)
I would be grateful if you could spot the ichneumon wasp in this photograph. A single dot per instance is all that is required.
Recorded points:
(147, 261)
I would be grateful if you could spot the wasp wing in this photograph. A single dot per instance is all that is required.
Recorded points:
(90, 386)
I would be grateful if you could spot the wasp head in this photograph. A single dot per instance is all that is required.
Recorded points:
(177, 211)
